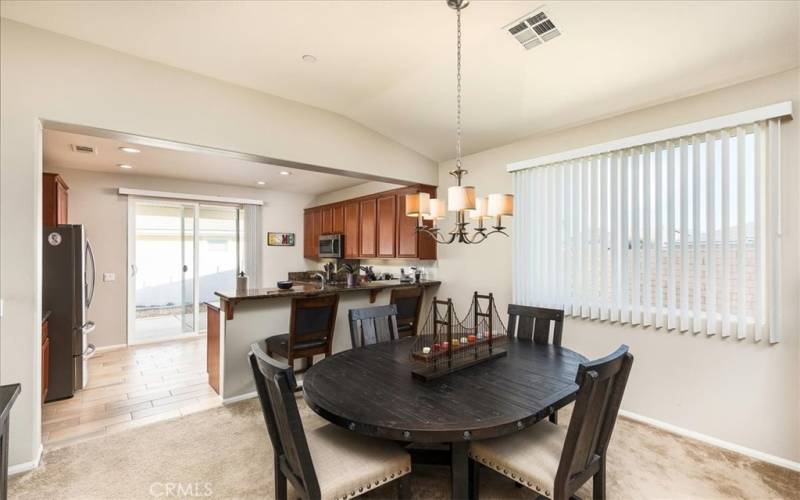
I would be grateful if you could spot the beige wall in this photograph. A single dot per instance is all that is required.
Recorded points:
(744, 392)
(49, 76)
(94, 202)
(365, 189)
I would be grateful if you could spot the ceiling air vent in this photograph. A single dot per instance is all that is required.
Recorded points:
(533, 29)
(84, 149)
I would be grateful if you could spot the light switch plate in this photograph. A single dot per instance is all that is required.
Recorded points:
(109, 277)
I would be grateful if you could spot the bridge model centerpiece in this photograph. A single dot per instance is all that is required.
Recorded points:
(447, 344)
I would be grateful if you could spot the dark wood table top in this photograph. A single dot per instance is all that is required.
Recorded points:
(8, 394)
(371, 391)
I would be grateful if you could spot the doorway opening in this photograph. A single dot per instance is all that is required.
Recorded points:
(179, 253)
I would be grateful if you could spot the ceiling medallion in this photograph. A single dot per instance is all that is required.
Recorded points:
(460, 199)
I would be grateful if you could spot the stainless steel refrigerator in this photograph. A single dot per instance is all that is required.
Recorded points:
(68, 287)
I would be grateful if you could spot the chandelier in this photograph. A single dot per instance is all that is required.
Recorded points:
(460, 199)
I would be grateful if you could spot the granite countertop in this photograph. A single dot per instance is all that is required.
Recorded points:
(311, 290)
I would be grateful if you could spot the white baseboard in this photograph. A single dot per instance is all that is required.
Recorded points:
(241, 397)
(749, 452)
(111, 347)
(27, 466)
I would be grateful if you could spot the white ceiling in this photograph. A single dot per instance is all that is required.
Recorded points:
(203, 167)
(390, 65)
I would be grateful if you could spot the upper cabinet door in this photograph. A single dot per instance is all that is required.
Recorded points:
(55, 200)
(351, 223)
(317, 232)
(387, 215)
(338, 219)
(406, 229)
(327, 220)
(308, 235)
(368, 229)
(426, 246)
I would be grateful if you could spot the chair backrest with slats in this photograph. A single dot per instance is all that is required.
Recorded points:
(370, 325)
(409, 304)
(275, 384)
(601, 387)
(313, 319)
(534, 323)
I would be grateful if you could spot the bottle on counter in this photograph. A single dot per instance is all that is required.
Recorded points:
(241, 282)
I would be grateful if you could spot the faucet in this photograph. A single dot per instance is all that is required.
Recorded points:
(321, 278)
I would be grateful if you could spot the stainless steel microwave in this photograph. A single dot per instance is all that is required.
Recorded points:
(331, 246)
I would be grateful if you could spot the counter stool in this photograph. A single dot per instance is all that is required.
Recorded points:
(409, 303)
(310, 330)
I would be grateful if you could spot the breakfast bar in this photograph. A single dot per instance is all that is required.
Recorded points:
(253, 315)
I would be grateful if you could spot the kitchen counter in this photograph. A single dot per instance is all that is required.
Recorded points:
(265, 312)
(314, 289)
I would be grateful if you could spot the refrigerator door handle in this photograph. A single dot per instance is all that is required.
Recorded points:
(88, 327)
(89, 351)
(93, 274)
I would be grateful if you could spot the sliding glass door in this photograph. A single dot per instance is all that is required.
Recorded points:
(180, 254)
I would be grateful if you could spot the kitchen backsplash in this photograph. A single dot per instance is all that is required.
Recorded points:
(428, 267)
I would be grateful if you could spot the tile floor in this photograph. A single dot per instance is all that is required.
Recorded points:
(131, 387)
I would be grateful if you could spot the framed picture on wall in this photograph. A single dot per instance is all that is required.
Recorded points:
(280, 239)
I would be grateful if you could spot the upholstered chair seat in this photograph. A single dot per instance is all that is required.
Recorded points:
(348, 464)
(529, 457)
(555, 461)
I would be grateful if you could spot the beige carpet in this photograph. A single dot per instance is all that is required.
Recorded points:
(225, 453)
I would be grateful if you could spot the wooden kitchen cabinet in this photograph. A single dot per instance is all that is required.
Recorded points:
(327, 220)
(212, 345)
(312, 227)
(410, 244)
(367, 228)
(55, 200)
(352, 224)
(338, 219)
(386, 227)
(374, 226)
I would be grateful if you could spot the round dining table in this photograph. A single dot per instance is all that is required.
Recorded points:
(370, 390)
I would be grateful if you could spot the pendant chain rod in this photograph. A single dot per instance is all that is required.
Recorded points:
(458, 91)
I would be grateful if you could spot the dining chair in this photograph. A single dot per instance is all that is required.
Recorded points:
(311, 329)
(527, 322)
(553, 460)
(327, 462)
(409, 303)
(533, 323)
(370, 325)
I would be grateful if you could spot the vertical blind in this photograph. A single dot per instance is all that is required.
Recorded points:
(252, 245)
(680, 234)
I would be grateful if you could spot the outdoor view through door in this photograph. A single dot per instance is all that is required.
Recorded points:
(181, 254)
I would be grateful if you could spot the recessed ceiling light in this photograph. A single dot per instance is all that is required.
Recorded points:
(125, 166)
(284, 172)
(260, 183)
(128, 149)
(309, 58)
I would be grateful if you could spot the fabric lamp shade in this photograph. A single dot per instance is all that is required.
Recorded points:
(418, 204)
(481, 209)
(460, 198)
(500, 204)
(438, 210)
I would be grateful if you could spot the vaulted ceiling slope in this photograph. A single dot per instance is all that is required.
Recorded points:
(391, 65)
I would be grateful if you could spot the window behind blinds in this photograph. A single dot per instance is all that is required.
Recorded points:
(678, 233)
